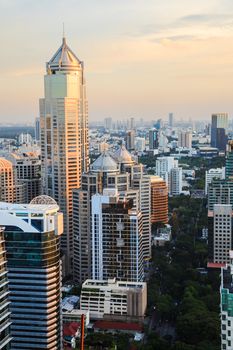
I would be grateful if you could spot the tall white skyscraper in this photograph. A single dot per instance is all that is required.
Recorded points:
(64, 133)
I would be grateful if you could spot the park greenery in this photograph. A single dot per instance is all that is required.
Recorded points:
(181, 290)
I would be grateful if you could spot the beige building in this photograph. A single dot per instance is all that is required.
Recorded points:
(64, 134)
(113, 299)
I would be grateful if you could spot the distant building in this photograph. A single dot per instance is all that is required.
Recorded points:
(163, 235)
(220, 234)
(226, 305)
(218, 173)
(130, 140)
(219, 130)
(5, 321)
(37, 130)
(153, 139)
(140, 144)
(113, 299)
(159, 200)
(185, 139)
(25, 139)
(175, 181)
(171, 120)
(108, 123)
(32, 236)
(229, 161)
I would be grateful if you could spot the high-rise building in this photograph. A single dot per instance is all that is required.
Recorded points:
(226, 305)
(229, 161)
(159, 200)
(153, 139)
(170, 119)
(122, 173)
(27, 167)
(117, 238)
(219, 130)
(140, 144)
(5, 322)
(37, 129)
(130, 140)
(220, 234)
(114, 299)
(185, 139)
(175, 181)
(217, 173)
(220, 192)
(32, 236)
(108, 123)
(10, 189)
(64, 134)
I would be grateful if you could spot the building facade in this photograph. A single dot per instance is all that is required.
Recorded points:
(5, 321)
(32, 236)
(64, 134)
(218, 173)
(159, 200)
(219, 130)
(185, 139)
(114, 299)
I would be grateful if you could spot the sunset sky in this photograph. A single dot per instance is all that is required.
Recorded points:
(143, 58)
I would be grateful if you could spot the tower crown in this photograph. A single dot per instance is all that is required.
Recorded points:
(63, 60)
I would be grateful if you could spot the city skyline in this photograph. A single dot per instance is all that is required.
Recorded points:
(182, 54)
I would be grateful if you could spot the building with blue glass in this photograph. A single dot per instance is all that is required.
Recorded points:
(32, 236)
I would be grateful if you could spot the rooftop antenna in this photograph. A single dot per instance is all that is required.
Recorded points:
(63, 32)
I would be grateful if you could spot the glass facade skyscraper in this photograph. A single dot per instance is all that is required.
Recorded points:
(32, 235)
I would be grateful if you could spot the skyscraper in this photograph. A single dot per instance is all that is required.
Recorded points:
(153, 139)
(229, 161)
(130, 140)
(5, 321)
(159, 200)
(185, 139)
(64, 134)
(171, 119)
(118, 171)
(219, 126)
(117, 238)
(32, 236)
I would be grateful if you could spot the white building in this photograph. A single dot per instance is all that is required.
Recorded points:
(25, 139)
(175, 182)
(140, 144)
(64, 134)
(164, 166)
(114, 299)
(216, 173)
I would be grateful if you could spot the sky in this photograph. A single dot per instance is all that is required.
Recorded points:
(143, 58)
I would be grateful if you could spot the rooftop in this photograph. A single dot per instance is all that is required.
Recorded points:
(104, 163)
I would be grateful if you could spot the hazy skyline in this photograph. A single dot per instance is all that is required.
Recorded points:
(142, 58)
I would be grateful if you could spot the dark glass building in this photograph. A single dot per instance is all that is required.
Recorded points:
(32, 235)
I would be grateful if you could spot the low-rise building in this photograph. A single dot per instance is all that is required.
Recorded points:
(114, 300)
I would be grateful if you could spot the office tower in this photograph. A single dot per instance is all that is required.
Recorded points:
(164, 166)
(118, 171)
(5, 322)
(229, 161)
(220, 192)
(175, 181)
(158, 124)
(220, 240)
(153, 139)
(27, 167)
(185, 139)
(116, 238)
(7, 181)
(37, 129)
(64, 134)
(219, 130)
(114, 299)
(217, 173)
(226, 305)
(170, 119)
(159, 200)
(32, 235)
(130, 140)
(108, 123)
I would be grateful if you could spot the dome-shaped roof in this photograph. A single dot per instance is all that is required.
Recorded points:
(64, 59)
(123, 156)
(43, 199)
(5, 164)
(104, 163)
